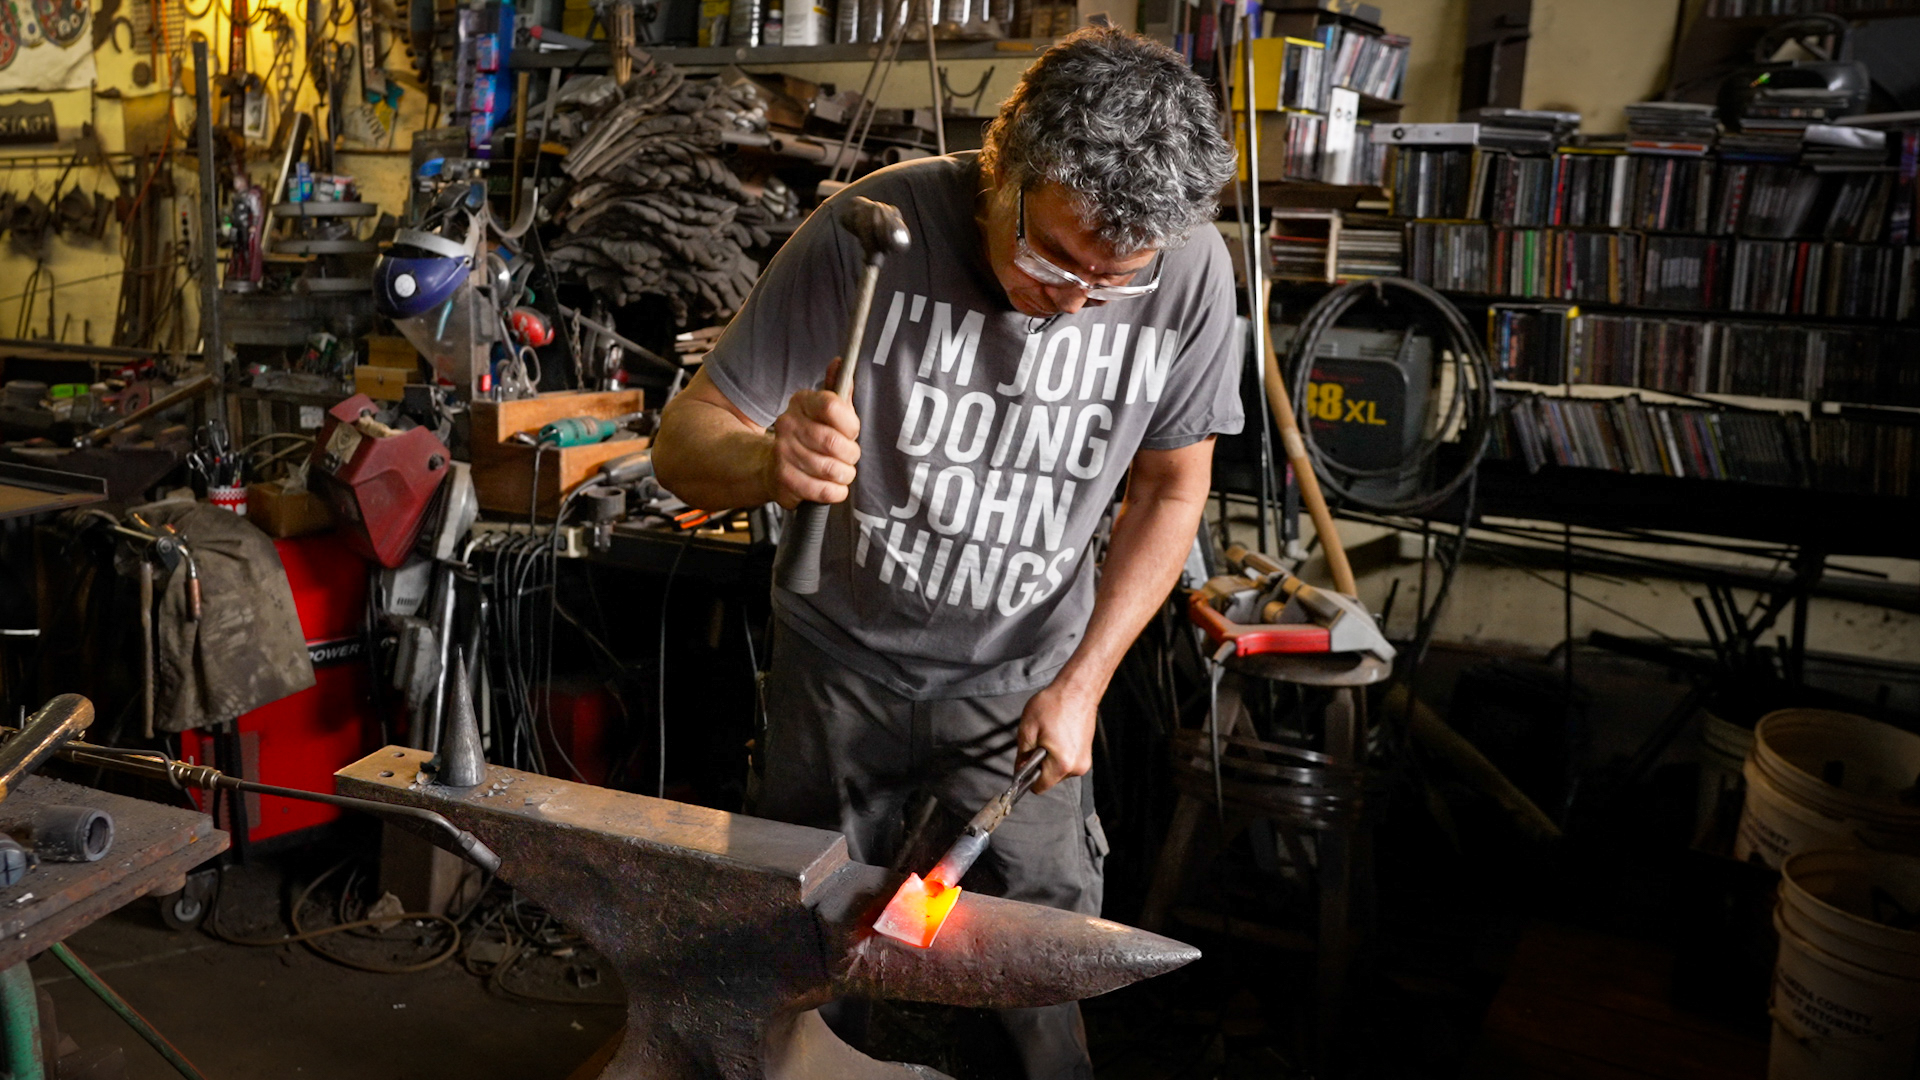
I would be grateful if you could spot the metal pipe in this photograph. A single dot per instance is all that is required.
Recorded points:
(614, 335)
(155, 766)
(146, 646)
(933, 80)
(58, 722)
(1256, 258)
(193, 387)
(20, 1024)
(125, 1011)
(213, 346)
(445, 631)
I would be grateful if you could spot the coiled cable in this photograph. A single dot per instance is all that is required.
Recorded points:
(1469, 408)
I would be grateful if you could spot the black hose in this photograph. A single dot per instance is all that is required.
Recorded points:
(1469, 408)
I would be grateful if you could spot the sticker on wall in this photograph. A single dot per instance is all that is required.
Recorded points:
(63, 21)
(9, 35)
(28, 123)
(46, 45)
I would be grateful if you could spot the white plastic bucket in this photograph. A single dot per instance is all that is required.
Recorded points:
(1790, 807)
(1834, 1020)
(1723, 750)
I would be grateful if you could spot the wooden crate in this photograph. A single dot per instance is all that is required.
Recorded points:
(503, 470)
(383, 383)
(392, 352)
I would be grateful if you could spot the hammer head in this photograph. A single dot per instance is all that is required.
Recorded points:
(878, 226)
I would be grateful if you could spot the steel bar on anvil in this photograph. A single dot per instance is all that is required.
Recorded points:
(728, 931)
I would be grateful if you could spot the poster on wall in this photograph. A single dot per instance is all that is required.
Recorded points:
(46, 45)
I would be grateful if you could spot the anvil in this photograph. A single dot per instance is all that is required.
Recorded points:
(729, 931)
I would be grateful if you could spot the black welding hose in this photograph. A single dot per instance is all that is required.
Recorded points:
(1469, 409)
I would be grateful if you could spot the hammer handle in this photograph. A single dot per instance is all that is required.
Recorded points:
(797, 566)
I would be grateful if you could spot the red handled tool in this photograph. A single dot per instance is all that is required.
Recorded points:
(1309, 620)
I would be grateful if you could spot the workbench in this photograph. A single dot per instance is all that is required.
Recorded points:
(154, 846)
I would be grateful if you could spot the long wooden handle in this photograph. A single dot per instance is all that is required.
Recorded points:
(796, 566)
(1280, 404)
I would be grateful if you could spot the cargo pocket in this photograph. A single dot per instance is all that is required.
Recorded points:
(1096, 844)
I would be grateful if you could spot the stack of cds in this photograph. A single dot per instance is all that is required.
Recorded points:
(1671, 127)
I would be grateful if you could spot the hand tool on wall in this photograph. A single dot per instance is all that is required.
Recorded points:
(1280, 404)
(880, 230)
(919, 909)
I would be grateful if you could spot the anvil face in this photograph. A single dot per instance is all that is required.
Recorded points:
(728, 930)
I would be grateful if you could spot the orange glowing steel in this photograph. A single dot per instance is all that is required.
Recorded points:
(917, 911)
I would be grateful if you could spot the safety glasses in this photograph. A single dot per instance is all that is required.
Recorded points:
(1039, 269)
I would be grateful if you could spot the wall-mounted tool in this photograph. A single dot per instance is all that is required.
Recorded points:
(880, 230)
(919, 909)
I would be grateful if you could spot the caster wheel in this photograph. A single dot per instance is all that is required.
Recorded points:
(182, 910)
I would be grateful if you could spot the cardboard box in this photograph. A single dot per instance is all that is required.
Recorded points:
(383, 383)
(282, 515)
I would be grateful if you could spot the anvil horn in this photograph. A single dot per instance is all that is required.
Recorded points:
(728, 931)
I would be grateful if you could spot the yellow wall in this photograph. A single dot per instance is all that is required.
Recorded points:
(1593, 58)
(1588, 56)
(382, 174)
(1438, 29)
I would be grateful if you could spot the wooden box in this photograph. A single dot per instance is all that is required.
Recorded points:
(388, 351)
(283, 516)
(383, 383)
(503, 470)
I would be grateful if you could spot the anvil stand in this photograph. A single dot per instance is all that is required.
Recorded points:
(1296, 791)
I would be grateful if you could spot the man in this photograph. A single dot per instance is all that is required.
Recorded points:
(1063, 319)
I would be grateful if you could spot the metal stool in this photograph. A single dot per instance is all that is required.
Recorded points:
(1225, 766)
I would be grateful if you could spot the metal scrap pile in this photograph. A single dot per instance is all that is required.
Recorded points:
(651, 207)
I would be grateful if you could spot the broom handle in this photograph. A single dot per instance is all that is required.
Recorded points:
(1280, 404)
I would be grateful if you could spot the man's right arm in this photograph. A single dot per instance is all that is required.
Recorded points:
(714, 457)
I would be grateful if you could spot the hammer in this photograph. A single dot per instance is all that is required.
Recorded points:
(880, 230)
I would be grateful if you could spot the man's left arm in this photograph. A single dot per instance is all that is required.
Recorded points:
(1158, 519)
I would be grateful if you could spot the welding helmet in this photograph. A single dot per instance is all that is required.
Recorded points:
(426, 283)
(419, 273)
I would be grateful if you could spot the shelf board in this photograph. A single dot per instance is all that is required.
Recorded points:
(596, 58)
(1716, 314)
(1850, 16)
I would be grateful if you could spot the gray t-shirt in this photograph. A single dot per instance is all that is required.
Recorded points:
(959, 566)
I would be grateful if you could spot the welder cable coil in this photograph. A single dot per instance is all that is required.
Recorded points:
(1470, 406)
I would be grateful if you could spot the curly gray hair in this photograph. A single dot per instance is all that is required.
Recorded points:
(1124, 124)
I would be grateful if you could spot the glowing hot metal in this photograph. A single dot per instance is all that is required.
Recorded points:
(919, 909)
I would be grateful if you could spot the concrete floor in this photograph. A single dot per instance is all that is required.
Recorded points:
(238, 1011)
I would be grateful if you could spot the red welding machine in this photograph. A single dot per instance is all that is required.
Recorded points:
(379, 480)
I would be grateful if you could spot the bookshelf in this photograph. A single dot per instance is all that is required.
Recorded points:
(1769, 11)
(1704, 318)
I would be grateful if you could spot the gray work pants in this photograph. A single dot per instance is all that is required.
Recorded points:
(845, 753)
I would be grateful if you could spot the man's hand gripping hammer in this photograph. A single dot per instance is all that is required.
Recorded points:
(880, 230)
